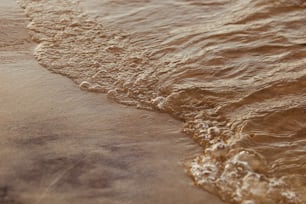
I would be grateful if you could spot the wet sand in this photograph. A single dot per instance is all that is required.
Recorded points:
(57, 147)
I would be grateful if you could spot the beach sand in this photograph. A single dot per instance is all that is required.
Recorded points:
(62, 145)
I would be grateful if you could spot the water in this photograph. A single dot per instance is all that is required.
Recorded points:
(62, 145)
(232, 70)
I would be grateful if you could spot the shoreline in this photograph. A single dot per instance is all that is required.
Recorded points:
(62, 145)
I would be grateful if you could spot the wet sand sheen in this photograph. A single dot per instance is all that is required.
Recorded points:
(57, 147)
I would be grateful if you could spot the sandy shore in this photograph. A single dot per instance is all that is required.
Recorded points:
(62, 145)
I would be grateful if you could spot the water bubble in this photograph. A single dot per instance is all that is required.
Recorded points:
(213, 131)
(84, 85)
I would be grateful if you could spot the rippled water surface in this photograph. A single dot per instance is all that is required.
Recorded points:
(233, 70)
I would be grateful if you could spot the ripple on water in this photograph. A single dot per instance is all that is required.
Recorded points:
(235, 74)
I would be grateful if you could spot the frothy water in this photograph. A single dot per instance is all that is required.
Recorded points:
(232, 70)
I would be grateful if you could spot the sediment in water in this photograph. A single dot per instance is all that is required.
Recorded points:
(235, 75)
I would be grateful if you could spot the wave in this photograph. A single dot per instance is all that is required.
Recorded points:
(233, 71)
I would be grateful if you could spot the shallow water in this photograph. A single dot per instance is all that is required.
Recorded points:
(232, 70)
(62, 145)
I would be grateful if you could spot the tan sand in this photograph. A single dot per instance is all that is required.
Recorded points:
(57, 147)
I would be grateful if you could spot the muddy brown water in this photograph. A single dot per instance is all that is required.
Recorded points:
(232, 70)
(62, 145)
